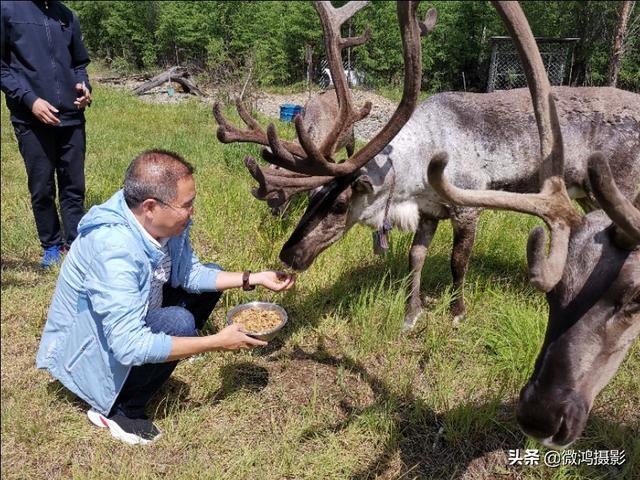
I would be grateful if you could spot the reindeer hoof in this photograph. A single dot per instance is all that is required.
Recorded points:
(458, 311)
(410, 322)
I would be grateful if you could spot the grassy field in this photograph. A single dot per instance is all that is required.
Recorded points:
(342, 394)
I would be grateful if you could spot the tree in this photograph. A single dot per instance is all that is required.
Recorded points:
(222, 38)
(618, 41)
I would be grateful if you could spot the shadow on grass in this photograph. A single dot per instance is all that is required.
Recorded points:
(173, 397)
(241, 376)
(416, 439)
(57, 390)
(351, 284)
(12, 267)
(468, 441)
(492, 265)
(174, 392)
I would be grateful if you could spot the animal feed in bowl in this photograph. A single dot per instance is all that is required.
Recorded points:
(257, 320)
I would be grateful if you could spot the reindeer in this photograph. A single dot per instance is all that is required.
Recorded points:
(384, 184)
(591, 275)
(318, 117)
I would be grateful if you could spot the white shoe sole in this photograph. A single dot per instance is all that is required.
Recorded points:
(101, 421)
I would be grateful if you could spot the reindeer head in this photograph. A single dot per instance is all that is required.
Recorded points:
(591, 275)
(327, 218)
(594, 316)
(307, 165)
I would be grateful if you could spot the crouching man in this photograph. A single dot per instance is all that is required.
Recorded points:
(131, 297)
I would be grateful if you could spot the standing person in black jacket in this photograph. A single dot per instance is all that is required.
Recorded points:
(46, 87)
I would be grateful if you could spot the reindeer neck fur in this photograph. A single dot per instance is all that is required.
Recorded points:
(492, 142)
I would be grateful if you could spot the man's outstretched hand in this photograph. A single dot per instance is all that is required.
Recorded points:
(232, 337)
(275, 280)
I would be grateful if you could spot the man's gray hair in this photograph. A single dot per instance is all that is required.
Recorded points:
(154, 174)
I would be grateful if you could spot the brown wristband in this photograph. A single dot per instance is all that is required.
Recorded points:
(245, 281)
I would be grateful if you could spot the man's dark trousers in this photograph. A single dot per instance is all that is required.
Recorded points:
(49, 152)
(182, 315)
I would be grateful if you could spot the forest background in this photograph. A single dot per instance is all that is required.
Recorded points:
(223, 40)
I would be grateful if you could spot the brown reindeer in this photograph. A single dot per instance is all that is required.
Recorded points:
(318, 118)
(591, 275)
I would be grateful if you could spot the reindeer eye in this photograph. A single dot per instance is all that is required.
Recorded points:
(340, 208)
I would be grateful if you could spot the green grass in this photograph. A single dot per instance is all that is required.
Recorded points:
(342, 393)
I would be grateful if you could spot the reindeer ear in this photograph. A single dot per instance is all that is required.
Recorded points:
(362, 184)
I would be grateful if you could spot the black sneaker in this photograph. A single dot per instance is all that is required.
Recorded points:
(135, 431)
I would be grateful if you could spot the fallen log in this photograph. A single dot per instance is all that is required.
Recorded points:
(175, 74)
(120, 79)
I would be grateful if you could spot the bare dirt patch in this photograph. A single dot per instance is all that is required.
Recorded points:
(157, 94)
(266, 103)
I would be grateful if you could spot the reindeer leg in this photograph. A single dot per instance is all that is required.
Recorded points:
(417, 255)
(464, 222)
(351, 144)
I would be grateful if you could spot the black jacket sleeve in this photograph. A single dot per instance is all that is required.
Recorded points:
(79, 55)
(10, 85)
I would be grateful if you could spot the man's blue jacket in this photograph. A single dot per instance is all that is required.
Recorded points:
(42, 57)
(96, 330)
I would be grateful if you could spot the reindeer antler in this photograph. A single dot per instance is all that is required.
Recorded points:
(316, 161)
(227, 133)
(332, 19)
(276, 187)
(552, 204)
(410, 30)
(624, 214)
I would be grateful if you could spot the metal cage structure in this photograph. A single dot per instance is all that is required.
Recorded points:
(505, 71)
(354, 76)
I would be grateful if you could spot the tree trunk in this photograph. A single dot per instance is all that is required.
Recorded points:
(174, 74)
(618, 41)
(590, 26)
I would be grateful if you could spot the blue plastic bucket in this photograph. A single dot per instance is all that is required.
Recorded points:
(288, 111)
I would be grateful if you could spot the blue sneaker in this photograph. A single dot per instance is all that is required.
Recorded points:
(51, 257)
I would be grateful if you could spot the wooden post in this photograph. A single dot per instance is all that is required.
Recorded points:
(308, 57)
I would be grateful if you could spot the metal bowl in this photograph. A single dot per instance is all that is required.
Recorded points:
(266, 335)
